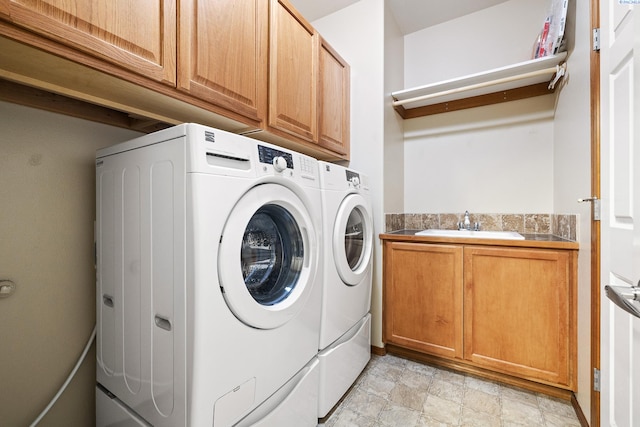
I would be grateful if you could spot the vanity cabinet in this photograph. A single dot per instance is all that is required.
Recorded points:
(139, 36)
(423, 297)
(509, 310)
(520, 312)
(223, 53)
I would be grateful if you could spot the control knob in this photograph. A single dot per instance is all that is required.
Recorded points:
(355, 181)
(279, 163)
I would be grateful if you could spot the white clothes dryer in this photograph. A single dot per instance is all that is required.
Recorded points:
(208, 281)
(345, 327)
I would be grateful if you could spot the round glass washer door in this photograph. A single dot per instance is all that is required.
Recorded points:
(268, 257)
(353, 239)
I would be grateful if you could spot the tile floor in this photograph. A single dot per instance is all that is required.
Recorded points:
(396, 392)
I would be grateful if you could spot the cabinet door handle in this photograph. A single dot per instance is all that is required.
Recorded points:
(621, 295)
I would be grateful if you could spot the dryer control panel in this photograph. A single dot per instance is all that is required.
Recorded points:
(353, 178)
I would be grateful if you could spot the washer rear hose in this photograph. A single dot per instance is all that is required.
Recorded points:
(68, 380)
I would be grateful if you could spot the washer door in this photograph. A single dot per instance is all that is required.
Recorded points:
(353, 239)
(268, 257)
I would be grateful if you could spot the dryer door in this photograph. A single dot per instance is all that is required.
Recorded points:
(268, 256)
(353, 239)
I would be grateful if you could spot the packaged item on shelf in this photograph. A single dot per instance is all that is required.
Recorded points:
(551, 37)
(556, 29)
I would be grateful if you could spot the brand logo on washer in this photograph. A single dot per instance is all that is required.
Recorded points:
(209, 136)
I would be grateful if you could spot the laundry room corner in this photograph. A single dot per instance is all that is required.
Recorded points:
(48, 207)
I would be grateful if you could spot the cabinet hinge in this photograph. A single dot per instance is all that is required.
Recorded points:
(596, 39)
(596, 379)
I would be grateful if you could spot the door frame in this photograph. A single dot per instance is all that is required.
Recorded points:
(595, 225)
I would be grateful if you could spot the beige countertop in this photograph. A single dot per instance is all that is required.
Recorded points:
(530, 240)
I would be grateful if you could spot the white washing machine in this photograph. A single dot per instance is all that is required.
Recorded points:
(208, 282)
(345, 327)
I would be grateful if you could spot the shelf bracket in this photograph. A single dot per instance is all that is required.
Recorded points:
(561, 70)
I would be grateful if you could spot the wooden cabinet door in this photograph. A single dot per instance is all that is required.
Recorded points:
(139, 36)
(222, 55)
(334, 100)
(293, 73)
(519, 313)
(423, 297)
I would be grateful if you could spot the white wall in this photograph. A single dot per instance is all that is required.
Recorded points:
(393, 124)
(572, 170)
(494, 37)
(496, 159)
(469, 159)
(47, 170)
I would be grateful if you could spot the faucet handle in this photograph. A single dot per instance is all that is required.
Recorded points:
(476, 226)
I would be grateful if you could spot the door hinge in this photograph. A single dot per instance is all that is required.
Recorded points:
(596, 39)
(596, 209)
(595, 206)
(596, 379)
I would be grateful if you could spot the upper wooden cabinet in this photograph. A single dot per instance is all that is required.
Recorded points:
(309, 83)
(139, 36)
(333, 122)
(222, 53)
(255, 67)
(293, 73)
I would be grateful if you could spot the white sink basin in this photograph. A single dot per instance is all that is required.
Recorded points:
(509, 235)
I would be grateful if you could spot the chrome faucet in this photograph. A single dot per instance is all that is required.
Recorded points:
(466, 224)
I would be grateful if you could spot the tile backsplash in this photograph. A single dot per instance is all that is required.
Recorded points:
(562, 225)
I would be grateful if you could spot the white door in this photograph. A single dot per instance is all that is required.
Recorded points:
(620, 172)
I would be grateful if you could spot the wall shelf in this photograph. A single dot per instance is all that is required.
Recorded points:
(518, 81)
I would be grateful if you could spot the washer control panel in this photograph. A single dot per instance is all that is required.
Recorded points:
(279, 159)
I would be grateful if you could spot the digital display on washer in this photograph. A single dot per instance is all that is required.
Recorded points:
(351, 175)
(267, 154)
